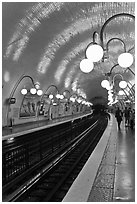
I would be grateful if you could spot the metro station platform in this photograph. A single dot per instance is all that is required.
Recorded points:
(18, 129)
(109, 174)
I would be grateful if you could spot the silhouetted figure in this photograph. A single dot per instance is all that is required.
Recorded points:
(132, 118)
(118, 115)
(127, 116)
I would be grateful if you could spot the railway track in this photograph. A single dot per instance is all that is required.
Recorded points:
(24, 154)
(52, 184)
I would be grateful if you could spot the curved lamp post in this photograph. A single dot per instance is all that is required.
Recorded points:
(24, 91)
(123, 84)
(107, 22)
(106, 83)
(50, 96)
(95, 52)
(65, 92)
(109, 84)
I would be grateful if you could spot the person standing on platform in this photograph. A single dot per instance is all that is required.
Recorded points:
(118, 115)
(127, 116)
(132, 118)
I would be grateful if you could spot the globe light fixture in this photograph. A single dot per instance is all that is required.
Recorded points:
(54, 104)
(24, 91)
(94, 52)
(123, 84)
(39, 92)
(110, 91)
(128, 101)
(125, 60)
(61, 96)
(51, 96)
(105, 83)
(108, 87)
(33, 91)
(58, 96)
(79, 100)
(72, 99)
(86, 65)
(121, 93)
(110, 94)
(37, 85)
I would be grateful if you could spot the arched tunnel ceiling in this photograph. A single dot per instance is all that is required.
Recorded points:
(47, 41)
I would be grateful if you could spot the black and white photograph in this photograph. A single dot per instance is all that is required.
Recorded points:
(68, 101)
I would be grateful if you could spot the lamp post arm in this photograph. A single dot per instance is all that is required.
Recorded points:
(113, 68)
(111, 18)
(115, 77)
(116, 39)
(18, 82)
(67, 91)
(48, 89)
(47, 94)
(94, 36)
(74, 94)
(14, 89)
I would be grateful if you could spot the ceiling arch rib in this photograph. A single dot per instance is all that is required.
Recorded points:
(81, 25)
(60, 55)
(28, 24)
(69, 56)
(71, 75)
(32, 20)
(62, 39)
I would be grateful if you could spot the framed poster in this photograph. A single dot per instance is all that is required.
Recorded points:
(28, 106)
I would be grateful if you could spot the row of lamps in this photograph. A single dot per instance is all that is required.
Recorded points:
(39, 92)
(95, 52)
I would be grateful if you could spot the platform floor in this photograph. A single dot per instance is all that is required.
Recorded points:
(115, 176)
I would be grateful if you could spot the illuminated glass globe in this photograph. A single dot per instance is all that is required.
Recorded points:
(105, 83)
(121, 93)
(79, 100)
(37, 85)
(51, 96)
(94, 52)
(125, 60)
(24, 91)
(86, 65)
(72, 99)
(123, 84)
(33, 91)
(108, 87)
(58, 96)
(39, 92)
(61, 96)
